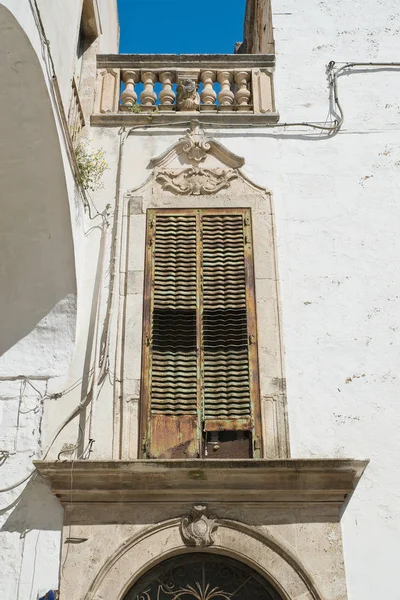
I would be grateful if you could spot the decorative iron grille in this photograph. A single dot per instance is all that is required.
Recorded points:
(201, 576)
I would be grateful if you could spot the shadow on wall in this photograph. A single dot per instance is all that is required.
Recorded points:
(38, 284)
(35, 508)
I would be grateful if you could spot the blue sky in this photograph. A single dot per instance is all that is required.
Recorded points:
(180, 26)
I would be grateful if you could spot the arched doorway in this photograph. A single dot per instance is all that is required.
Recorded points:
(201, 576)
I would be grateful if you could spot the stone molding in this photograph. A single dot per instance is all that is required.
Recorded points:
(282, 482)
(107, 96)
(198, 529)
(195, 181)
(246, 544)
(185, 61)
(196, 146)
(171, 119)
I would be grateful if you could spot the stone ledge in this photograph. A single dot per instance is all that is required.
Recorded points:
(281, 482)
(174, 61)
(180, 119)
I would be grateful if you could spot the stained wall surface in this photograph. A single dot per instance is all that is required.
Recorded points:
(42, 245)
(336, 217)
(336, 210)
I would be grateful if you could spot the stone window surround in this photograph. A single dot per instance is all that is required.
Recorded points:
(240, 193)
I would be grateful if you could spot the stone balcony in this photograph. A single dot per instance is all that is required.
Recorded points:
(164, 88)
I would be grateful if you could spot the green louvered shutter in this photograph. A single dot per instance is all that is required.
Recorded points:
(200, 377)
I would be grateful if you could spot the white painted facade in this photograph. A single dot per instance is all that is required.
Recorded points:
(336, 221)
(42, 249)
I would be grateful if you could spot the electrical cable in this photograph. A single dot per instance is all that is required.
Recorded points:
(337, 124)
(55, 89)
(332, 73)
(67, 420)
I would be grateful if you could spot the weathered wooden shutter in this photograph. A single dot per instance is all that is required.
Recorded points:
(173, 336)
(227, 406)
(200, 376)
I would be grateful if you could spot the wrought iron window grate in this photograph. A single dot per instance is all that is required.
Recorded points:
(201, 576)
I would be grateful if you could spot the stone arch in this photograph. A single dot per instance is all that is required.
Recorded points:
(145, 550)
(38, 292)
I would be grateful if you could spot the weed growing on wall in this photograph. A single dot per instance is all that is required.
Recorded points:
(91, 166)
(135, 108)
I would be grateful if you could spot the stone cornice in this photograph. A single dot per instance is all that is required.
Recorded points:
(174, 61)
(293, 481)
(181, 118)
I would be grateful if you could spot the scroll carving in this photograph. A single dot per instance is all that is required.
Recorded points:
(198, 529)
(195, 181)
(196, 146)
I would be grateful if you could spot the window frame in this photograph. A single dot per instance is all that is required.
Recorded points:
(251, 314)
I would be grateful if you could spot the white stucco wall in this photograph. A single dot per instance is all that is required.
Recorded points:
(337, 219)
(42, 238)
(109, 41)
(337, 216)
(62, 30)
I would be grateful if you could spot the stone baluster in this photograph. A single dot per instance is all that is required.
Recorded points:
(167, 94)
(208, 95)
(148, 97)
(129, 96)
(243, 94)
(225, 96)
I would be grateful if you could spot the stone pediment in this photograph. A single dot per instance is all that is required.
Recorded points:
(197, 165)
(196, 149)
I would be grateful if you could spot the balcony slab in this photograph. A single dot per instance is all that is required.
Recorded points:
(278, 482)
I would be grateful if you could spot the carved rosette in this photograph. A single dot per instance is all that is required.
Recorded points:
(195, 181)
(198, 529)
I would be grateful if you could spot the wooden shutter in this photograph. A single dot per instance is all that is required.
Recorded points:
(200, 373)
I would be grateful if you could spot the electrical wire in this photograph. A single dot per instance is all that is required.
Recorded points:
(56, 94)
(67, 420)
(337, 123)
(333, 74)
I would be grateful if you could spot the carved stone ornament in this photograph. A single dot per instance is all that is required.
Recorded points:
(195, 181)
(196, 146)
(187, 96)
(198, 529)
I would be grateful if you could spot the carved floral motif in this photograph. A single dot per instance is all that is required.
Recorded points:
(198, 529)
(195, 181)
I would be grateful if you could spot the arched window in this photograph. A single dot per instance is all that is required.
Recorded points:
(201, 576)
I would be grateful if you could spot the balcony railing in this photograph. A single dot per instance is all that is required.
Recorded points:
(76, 119)
(139, 88)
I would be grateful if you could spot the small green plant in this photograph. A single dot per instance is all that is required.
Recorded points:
(135, 108)
(91, 166)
